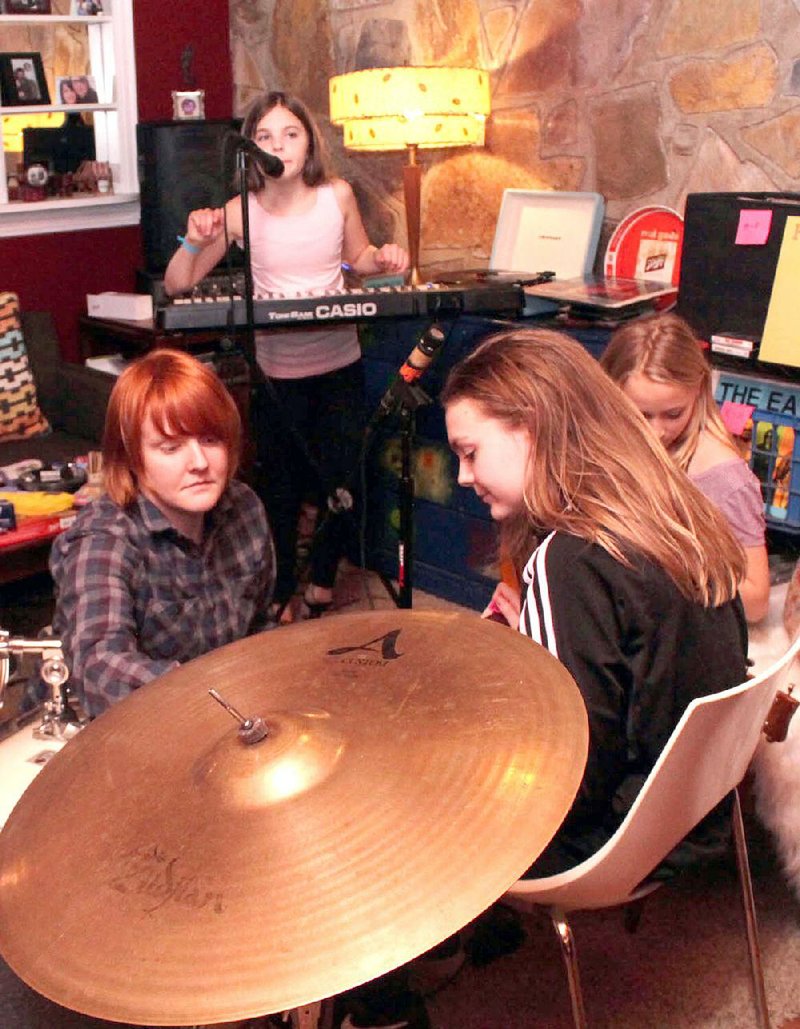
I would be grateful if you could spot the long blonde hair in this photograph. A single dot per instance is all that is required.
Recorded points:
(664, 348)
(595, 470)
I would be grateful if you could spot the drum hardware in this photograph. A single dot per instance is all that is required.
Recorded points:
(251, 730)
(59, 718)
(310, 1016)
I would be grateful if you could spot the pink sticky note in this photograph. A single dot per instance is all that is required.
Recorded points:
(735, 416)
(753, 227)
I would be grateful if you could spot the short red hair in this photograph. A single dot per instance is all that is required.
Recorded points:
(182, 396)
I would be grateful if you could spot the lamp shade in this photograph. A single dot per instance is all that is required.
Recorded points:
(394, 108)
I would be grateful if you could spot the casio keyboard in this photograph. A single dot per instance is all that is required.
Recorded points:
(210, 309)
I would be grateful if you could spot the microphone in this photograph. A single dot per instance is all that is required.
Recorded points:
(423, 353)
(268, 163)
(414, 367)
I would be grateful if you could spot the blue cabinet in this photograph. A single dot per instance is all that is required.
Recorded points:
(454, 537)
(455, 540)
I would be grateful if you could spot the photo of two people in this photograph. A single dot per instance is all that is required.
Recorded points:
(76, 89)
(22, 81)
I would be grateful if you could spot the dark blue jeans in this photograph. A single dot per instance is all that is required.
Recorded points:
(322, 415)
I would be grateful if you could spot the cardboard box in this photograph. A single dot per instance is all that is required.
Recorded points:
(127, 306)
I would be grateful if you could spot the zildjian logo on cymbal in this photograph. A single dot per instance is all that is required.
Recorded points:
(151, 873)
(388, 647)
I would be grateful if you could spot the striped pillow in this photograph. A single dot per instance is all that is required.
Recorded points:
(20, 416)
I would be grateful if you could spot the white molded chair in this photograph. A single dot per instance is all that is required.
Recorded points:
(705, 758)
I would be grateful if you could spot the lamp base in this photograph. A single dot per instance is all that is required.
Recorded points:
(412, 182)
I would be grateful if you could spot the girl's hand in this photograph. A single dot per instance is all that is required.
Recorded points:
(391, 258)
(204, 226)
(504, 605)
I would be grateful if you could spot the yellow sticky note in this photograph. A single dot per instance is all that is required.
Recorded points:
(780, 343)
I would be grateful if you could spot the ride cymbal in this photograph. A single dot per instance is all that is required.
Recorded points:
(163, 870)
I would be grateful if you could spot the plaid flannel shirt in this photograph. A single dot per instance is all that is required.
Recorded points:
(134, 597)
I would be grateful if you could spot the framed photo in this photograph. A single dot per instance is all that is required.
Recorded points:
(27, 6)
(22, 81)
(76, 89)
(188, 104)
(88, 8)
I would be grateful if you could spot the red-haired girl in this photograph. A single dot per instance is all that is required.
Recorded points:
(175, 558)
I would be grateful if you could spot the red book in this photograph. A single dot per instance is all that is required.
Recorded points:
(39, 527)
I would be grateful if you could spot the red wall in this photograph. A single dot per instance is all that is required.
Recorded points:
(54, 273)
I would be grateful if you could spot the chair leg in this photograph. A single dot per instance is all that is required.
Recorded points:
(751, 926)
(570, 955)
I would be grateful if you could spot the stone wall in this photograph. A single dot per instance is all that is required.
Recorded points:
(642, 101)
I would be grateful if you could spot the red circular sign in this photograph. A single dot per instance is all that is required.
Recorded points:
(646, 245)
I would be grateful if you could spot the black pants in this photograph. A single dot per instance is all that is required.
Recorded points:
(327, 413)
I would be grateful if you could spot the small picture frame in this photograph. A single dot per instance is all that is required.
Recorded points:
(26, 7)
(22, 81)
(88, 8)
(188, 105)
(76, 89)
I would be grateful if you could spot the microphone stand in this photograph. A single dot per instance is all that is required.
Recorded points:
(249, 309)
(405, 399)
(411, 400)
(256, 376)
(401, 398)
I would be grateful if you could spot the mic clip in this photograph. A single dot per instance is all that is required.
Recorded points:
(403, 396)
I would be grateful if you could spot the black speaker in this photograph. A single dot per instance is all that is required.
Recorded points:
(59, 149)
(183, 165)
(726, 279)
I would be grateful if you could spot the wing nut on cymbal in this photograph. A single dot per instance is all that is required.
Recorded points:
(251, 730)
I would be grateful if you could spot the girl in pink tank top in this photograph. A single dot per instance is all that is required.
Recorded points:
(308, 420)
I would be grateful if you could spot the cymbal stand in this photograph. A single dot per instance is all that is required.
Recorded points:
(312, 1016)
(318, 1015)
(59, 720)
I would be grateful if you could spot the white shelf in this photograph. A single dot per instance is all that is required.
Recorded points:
(50, 19)
(40, 217)
(57, 108)
(112, 65)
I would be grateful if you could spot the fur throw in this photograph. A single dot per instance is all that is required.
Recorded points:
(777, 794)
(776, 766)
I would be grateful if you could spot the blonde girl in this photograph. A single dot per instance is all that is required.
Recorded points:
(659, 364)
